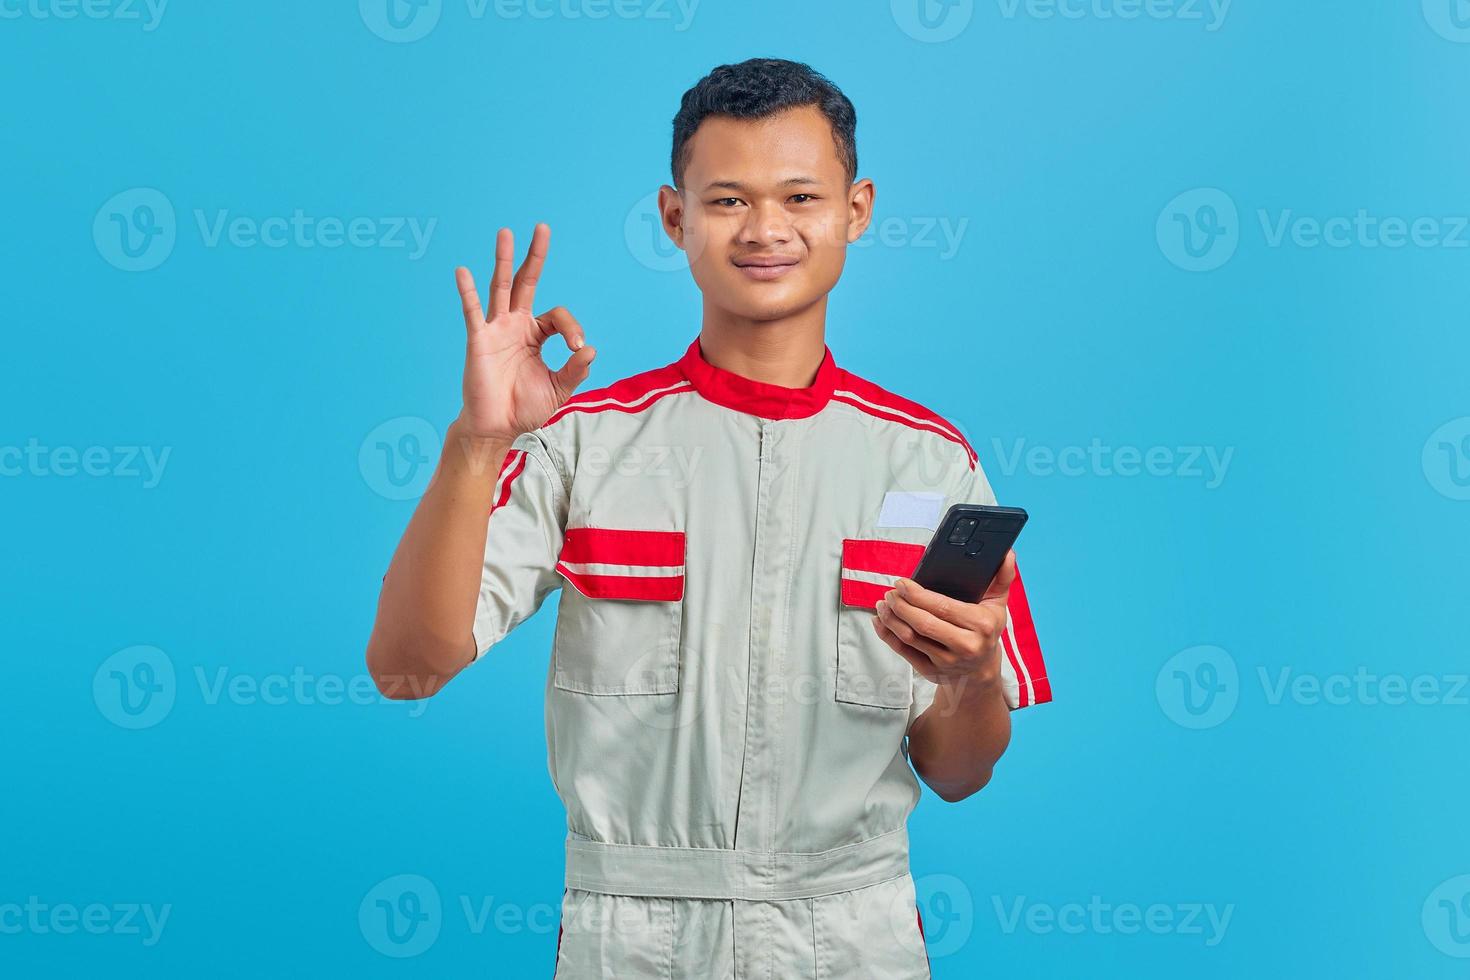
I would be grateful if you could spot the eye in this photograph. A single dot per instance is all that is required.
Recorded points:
(727, 201)
(808, 197)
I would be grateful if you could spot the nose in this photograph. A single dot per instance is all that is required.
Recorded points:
(766, 223)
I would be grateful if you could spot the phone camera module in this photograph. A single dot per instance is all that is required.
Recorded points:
(962, 530)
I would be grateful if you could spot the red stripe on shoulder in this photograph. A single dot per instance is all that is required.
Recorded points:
(882, 403)
(632, 394)
(514, 463)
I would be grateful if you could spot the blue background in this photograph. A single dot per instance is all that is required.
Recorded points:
(1335, 541)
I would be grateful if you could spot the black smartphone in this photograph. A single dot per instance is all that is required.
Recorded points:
(968, 549)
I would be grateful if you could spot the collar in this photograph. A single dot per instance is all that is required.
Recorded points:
(761, 398)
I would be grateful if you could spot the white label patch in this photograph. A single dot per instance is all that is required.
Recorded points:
(903, 508)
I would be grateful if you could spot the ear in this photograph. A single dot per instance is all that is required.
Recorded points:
(671, 214)
(859, 208)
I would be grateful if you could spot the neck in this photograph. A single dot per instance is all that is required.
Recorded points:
(785, 351)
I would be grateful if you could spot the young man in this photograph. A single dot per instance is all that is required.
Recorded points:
(739, 656)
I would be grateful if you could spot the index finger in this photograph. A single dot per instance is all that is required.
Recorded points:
(938, 605)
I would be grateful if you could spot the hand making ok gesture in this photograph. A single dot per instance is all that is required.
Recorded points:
(508, 389)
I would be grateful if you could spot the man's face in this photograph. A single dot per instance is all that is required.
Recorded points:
(766, 213)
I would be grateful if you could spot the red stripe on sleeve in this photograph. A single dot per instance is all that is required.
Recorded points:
(1023, 688)
(1028, 646)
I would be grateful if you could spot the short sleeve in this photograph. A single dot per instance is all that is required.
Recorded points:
(526, 519)
(1022, 670)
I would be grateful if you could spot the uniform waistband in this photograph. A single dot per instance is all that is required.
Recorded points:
(719, 873)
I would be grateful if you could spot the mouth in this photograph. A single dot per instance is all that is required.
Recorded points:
(765, 269)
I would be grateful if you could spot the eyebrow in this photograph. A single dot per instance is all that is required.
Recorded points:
(735, 185)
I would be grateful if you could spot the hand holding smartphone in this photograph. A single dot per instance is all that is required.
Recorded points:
(968, 549)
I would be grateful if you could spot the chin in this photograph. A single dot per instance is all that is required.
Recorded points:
(767, 301)
(768, 307)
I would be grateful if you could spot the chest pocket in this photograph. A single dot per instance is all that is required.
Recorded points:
(868, 671)
(617, 629)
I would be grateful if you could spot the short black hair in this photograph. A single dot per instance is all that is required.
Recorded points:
(762, 87)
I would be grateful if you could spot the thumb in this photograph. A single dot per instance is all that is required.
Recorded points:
(1000, 586)
(574, 371)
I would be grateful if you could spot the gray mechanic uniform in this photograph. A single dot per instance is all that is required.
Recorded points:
(723, 725)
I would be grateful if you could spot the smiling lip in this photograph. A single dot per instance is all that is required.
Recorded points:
(766, 269)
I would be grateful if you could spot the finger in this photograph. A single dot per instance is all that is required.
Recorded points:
(966, 615)
(469, 299)
(906, 630)
(560, 320)
(916, 658)
(500, 279)
(524, 292)
(573, 372)
(1000, 586)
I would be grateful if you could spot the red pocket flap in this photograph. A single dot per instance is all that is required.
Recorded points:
(621, 563)
(869, 566)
